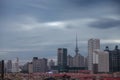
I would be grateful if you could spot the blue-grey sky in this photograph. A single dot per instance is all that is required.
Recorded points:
(31, 28)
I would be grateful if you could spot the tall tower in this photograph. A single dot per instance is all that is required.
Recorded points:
(62, 59)
(76, 49)
(93, 44)
(62, 56)
(78, 59)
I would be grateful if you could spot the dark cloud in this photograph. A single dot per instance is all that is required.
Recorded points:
(24, 25)
(105, 23)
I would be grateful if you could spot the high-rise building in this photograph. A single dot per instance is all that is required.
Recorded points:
(15, 65)
(24, 68)
(2, 71)
(30, 67)
(100, 61)
(27, 68)
(62, 56)
(39, 65)
(9, 66)
(62, 59)
(93, 44)
(70, 61)
(51, 64)
(114, 59)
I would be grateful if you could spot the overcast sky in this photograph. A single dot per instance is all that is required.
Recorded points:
(31, 28)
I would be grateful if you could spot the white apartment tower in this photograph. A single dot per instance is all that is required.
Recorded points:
(93, 44)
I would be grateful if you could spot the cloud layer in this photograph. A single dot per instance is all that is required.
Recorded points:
(37, 28)
(106, 23)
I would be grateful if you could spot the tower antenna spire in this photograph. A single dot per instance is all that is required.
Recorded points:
(76, 49)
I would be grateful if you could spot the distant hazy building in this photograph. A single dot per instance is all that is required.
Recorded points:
(93, 44)
(39, 65)
(114, 59)
(51, 63)
(30, 67)
(78, 60)
(70, 61)
(100, 61)
(15, 66)
(9, 66)
(27, 68)
(86, 61)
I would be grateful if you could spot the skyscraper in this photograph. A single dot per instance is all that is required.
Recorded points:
(114, 59)
(93, 44)
(9, 66)
(62, 56)
(62, 59)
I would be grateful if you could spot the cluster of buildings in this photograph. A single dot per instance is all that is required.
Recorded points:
(12, 67)
(37, 65)
(100, 61)
(97, 61)
(77, 60)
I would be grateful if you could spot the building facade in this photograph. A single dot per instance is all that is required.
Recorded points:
(62, 56)
(51, 63)
(93, 44)
(39, 65)
(78, 60)
(70, 61)
(62, 59)
(9, 66)
(114, 59)
(100, 61)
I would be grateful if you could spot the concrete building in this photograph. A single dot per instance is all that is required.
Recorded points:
(39, 65)
(30, 67)
(114, 59)
(70, 61)
(78, 60)
(93, 44)
(100, 61)
(27, 68)
(9, 66)
(15, 66)
(62, 57)
(51, 63)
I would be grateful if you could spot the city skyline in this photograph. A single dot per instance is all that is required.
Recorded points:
(38, 28)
